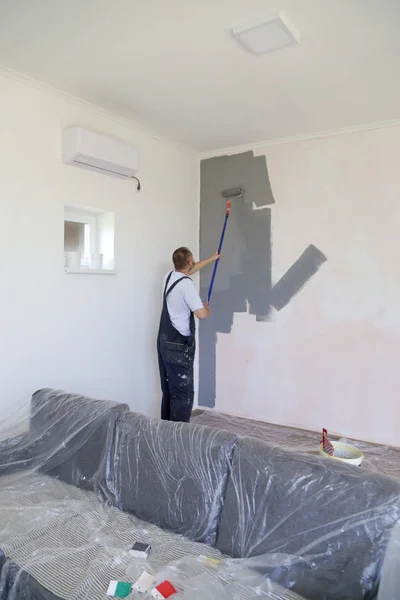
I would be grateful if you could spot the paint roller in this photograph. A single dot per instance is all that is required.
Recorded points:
(233, 193)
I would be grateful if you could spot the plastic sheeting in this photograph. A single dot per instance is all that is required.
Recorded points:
(87, 479)
(202, 578)
(381, 459)
(326, 524)
(61, 537)
(66, 436)
(390, 585)
(331, 538)
(172, 474)
(73, 545)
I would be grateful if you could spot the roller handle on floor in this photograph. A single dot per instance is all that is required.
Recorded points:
(228, 209)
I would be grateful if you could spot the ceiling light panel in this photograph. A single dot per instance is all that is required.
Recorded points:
(268, 36)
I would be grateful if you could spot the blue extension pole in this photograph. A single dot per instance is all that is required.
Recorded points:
(228, 209)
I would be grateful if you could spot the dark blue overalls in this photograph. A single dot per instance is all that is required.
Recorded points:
(175, 360)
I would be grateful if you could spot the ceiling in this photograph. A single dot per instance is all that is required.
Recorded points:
(172, 66)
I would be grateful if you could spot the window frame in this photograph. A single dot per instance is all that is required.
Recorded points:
(90, 236)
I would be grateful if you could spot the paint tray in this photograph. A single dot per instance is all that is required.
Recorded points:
(340, 451)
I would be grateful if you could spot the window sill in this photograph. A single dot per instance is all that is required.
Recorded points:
(86, 271)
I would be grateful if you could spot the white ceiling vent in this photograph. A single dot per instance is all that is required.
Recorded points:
(260, 38)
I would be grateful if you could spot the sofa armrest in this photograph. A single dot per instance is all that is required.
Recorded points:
(18, 453)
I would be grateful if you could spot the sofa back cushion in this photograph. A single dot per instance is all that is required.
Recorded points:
(325, 524)
(73, 437)
(172, 474)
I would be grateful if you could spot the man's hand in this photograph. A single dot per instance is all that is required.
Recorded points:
(203, 313)
(215, 256)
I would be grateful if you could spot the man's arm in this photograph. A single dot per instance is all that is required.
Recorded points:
(193, 300)
(203, 263)
(203, 313)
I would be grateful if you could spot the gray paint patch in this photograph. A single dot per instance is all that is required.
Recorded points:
(244, 275)
(296, 277)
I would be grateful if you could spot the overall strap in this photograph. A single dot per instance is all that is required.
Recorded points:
(173, 285)
(167, 282)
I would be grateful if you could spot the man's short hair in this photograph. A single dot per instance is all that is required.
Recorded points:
(181, 257)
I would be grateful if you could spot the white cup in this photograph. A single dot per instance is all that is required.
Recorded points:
(96, 261)
(73, 260)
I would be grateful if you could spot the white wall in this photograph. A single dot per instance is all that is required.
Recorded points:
(89, 334)
(331, 358)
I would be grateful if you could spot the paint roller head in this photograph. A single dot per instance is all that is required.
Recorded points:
(232, 193)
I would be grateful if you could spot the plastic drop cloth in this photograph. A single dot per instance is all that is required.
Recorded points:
(372, 521)
(379, 458)
(226, 516)
(205, 578)
(62, 477)
(390, 585)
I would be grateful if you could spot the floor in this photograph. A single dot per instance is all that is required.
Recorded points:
(383, 459)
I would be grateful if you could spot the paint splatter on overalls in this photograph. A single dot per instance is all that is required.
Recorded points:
(175, 360)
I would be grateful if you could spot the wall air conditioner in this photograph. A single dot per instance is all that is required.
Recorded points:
(89, 150)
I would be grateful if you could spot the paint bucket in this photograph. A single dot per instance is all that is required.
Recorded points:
(73, 260)
(345, 452)
(96, 261)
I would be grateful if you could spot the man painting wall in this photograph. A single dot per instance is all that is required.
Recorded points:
(176, 335)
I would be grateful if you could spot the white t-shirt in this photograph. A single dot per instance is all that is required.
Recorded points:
(181, 302)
